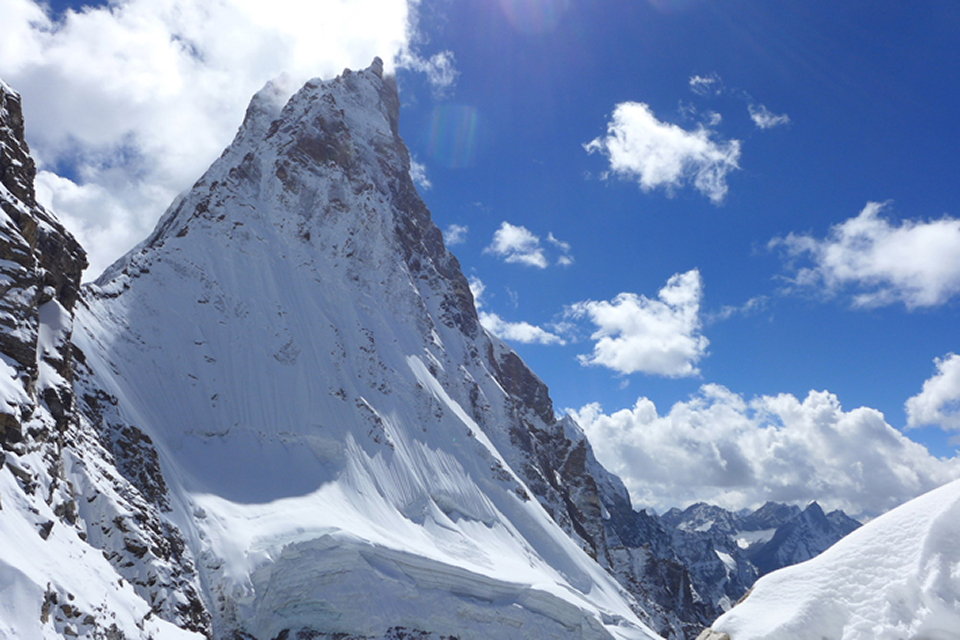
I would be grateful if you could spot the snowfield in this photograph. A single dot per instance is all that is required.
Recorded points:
(895, 578)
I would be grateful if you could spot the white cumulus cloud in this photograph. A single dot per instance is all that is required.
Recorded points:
(517, 244)
(522, 332)
(766, 119)
(137, 97)
(722, 448)
(914, 262)
(938, 402)
(418, 173)
(455, 234)
(662, 155)
(659, 336)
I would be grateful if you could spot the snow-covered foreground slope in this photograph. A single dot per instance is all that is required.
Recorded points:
(345, 449)
(895, 578)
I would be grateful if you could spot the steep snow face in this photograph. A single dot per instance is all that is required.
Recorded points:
(895, 578)
(346, 450)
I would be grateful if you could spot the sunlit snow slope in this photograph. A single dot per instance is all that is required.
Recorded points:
(346, 449)
(895, 578)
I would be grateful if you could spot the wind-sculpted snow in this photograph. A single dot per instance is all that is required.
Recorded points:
(346, 450)
(895, 578)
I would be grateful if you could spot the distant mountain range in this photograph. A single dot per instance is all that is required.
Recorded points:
(726, 552)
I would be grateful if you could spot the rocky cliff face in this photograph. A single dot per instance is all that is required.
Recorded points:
(40, 266)
(75, 529)
(802, 537)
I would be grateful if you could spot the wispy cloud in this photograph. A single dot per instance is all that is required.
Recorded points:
(636, 334)
(418, 173)
(663, 155)
(878, 262)
(565, 259)
(455, 234)
(440, 68)
(710, 84)
(752, 306)
(766, 119)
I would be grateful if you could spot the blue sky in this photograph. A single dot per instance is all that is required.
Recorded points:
(501, 102)
(872, 118)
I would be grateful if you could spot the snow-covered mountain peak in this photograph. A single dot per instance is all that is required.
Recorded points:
(813, 513)
(305, 354)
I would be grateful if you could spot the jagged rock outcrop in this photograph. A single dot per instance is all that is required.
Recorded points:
(771, 515)
(40, 267)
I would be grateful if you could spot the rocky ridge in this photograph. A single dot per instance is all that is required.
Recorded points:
(93, 557)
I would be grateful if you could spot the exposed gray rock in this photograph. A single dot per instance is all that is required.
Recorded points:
(770, 516)
(726, 552)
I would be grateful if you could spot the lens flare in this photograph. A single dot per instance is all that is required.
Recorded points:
(453, 135)
(534, 16)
